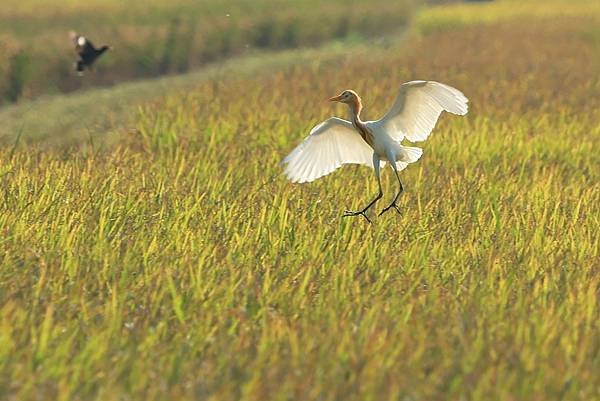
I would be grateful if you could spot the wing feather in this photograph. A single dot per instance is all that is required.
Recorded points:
(329, 145)
(418, 107)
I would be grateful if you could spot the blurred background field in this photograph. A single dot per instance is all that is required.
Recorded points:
(153, 38)
(174, 261)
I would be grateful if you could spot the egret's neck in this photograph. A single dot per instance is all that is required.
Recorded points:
(355, 109)
(359, 125)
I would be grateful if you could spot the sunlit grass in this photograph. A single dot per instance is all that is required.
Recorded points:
(460, 14)
(180, 264)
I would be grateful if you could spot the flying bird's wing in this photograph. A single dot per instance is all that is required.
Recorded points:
(86, 47)
(329, 145)
(418, 107)
(82, 44)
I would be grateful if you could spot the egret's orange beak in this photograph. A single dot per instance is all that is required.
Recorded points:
(335, 98)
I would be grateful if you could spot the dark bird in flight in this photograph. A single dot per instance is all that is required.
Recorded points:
(86, 50)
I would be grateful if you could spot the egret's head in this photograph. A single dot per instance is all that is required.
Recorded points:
(348, 96)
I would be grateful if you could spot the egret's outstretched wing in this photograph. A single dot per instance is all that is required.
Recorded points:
(329, 145)
(418, 107)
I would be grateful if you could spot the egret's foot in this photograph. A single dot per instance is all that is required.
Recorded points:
(349, 213)
(392, 205)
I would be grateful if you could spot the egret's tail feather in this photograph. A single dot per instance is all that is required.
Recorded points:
(409, 154)
(406, 155)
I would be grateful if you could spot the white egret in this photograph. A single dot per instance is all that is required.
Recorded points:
(335, 141)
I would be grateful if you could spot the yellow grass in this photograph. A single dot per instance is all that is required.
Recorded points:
(453, 14)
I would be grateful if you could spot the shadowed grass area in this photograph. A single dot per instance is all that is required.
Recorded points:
(181, 265)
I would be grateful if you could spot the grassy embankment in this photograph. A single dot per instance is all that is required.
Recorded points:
(180, 265)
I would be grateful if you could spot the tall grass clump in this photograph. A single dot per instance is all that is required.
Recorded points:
(19, 72)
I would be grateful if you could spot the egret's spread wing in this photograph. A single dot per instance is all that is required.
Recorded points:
(329, 145)
(418, 107)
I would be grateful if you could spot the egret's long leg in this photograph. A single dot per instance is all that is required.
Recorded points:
(362, 212)
(393, 204)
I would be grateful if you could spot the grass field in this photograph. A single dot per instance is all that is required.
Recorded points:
(157, 37)
(177, 262)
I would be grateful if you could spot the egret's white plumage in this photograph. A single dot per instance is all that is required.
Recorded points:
(335, 141)
(418, 107)
(329, 145)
